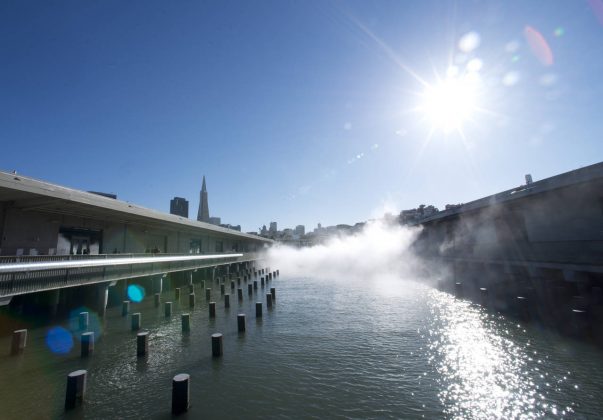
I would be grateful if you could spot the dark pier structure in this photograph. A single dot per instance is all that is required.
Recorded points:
(535, 251)
(62, 248)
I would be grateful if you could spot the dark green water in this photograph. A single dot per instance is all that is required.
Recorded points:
(328, 349)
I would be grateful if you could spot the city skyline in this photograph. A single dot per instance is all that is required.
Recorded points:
(333, 111)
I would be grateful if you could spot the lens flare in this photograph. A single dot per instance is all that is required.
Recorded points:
(136, 293)
(539, 46)
(59, 340)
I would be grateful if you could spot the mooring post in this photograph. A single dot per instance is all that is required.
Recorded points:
(458, 289)
(262, 281)
(87, 343)
(217, 348)
(125, 308)
(222, 291)
(268, 300)
(136, 321)
(227, 300)
(212, 309)
(76, 388)
(207, 294)
(258, 309)
(83, 319)
(483, 293)
(157, 300)
(255, 284)
(240, 293)
(177, 294)
(232, 285)
(241, 322)
(19, 342)
(186, 322)
(168, 309)
(180, 393)
(250, 289)
(142, 343)
(273, 293)
(191, 300)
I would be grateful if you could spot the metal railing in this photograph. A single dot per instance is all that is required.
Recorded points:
(45, 273)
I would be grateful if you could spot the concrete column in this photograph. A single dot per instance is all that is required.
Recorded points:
(232, 285)
(102, 299)
(54, 297)
(250, 289)
(177, 295)
(217, 346)
(207, 294)
(180, 393)
(262, 281)
(258, 309)
(268, 300)
(241, 322)
(76, 388)
(168, 309)
(240, 293)
(222, 291)
(83, 321)
(186, 322)
(142, 343)
(136, 321)
(157, 300)
(191, 300)
(227, 301)
(158, 284)
(87, 343)
(212, 309)
(255, 285)
(273, 293)
(19, 342)
(125, 308)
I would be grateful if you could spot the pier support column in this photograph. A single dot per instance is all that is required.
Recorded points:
(102, 297)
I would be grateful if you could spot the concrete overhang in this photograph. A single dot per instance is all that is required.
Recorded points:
(587, 174)
(30, 194)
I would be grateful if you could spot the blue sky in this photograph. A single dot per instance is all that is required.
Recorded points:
(299, 112)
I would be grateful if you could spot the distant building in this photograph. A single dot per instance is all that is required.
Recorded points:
(179, 206)
(300, 230)
(215, 221)
(273, 228)
(203, 213)
(264, 231)
(233, 227)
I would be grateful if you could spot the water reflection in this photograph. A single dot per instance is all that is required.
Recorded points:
(484, 371)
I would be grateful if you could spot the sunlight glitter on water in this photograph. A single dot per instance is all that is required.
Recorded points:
(483, 372)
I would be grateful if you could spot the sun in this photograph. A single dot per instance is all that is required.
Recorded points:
(449, 103)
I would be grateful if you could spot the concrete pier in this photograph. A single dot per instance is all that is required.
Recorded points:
(186, 322)
(258, 309)
(241, 322)
(87, 343)
(83, 319)
(136, 321)
(142, 343)
(180, 393)
(125, 308)
(19, 342)
(76, 389)
(217, 346)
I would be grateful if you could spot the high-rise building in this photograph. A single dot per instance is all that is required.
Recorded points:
(179, 206)
(300, 230)
(203, 214)
(273, 228)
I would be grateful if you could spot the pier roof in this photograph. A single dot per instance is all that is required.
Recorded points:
(33, 194)
(575, 177)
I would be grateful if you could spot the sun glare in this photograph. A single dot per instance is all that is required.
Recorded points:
(449, 103)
